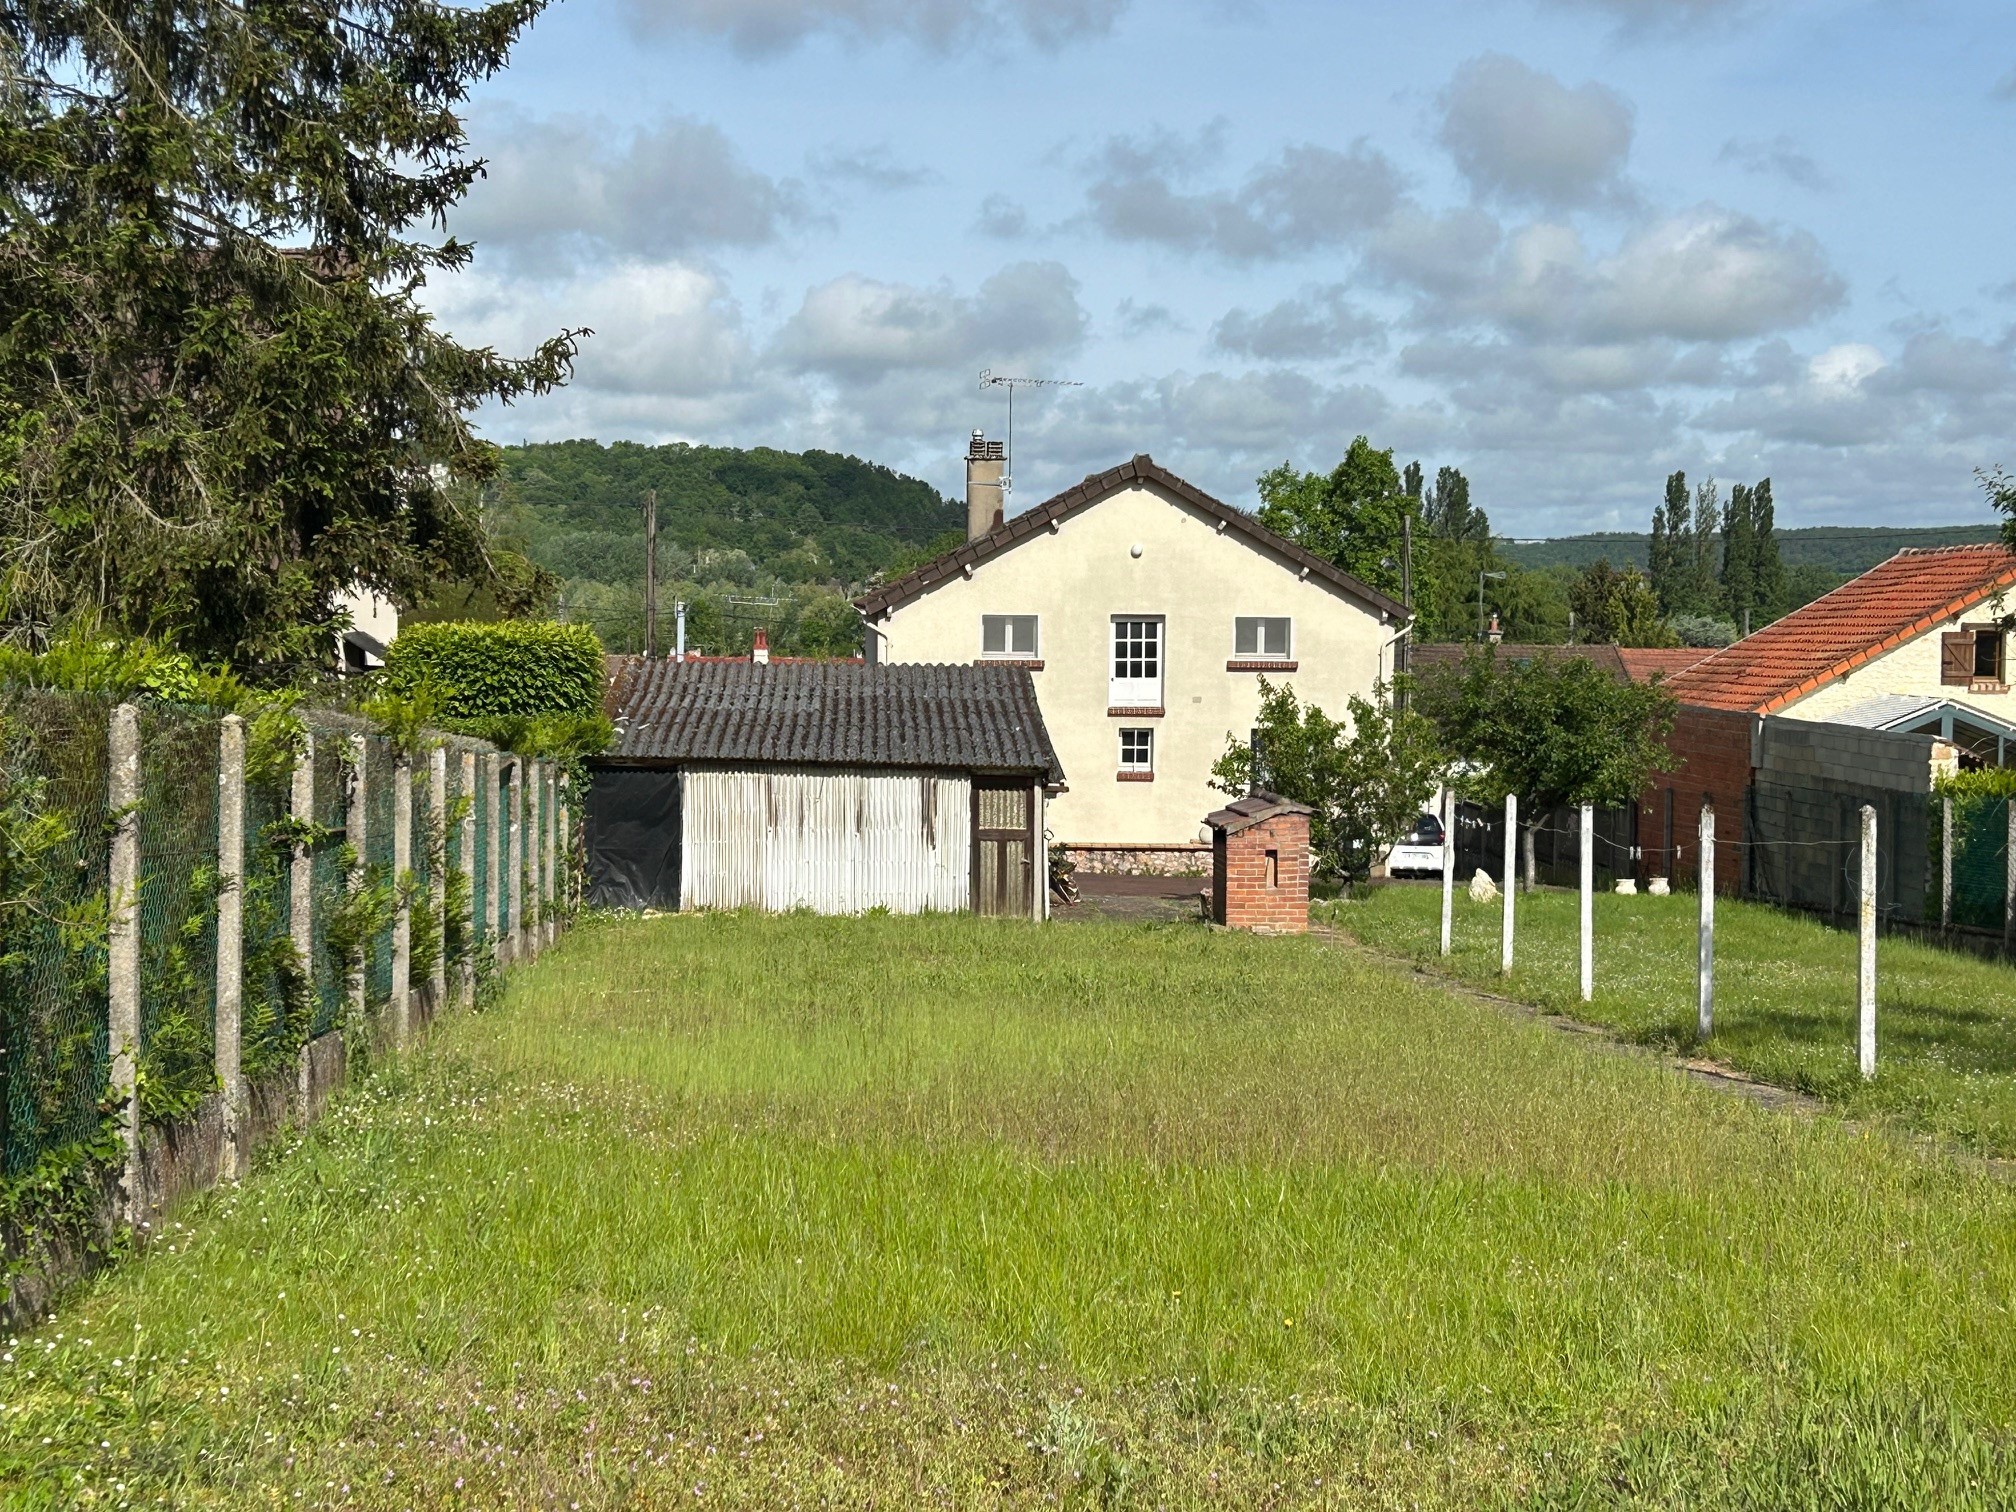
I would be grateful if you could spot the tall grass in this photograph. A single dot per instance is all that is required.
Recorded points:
(1784, 997)
(782, 1211)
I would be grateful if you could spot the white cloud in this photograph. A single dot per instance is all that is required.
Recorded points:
(861, 329)
(559, 186)
(1779, 157)
(870, 167)
(1522, 135)
(759, 27)
(1310, 197)
(1635, 16)
(1002, 217)
(1319, 323)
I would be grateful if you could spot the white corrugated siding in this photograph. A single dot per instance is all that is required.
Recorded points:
(832, 841)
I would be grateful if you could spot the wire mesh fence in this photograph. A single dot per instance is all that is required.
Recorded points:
(379, 801)
(276, 1010)
(328, 878)
(177, 908)
(54, 763)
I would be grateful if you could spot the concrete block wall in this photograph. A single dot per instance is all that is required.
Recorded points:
(1262, 876)
(1844, 756)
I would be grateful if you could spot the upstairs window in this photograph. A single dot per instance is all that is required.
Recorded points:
(1261, 639)
(1008, 635)
(1137, 664)
(1974, 657)
(1988, 655)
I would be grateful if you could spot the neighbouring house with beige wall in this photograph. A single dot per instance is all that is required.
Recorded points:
(1147, 613)
(1918, 644)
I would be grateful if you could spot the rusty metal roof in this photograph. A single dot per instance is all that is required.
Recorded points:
(830, 713)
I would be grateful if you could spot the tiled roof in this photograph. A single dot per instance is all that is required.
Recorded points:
(1256, 808)
(838, 713)
(1643, 663)
(1859, 621)
(1143, 469)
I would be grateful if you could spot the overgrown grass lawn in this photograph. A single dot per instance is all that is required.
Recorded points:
(1784, 996)
(884, 1212)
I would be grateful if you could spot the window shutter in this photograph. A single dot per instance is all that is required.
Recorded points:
(1956, 657)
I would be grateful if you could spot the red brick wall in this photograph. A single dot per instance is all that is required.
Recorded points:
(1240, 892)
(1711, 749)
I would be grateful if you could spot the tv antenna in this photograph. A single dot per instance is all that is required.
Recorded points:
(991, 379)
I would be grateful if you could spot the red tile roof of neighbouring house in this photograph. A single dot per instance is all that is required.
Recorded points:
(1643, 663)
(1638, 663)
(1840, 631)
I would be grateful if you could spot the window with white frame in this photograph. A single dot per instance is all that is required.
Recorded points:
(1010, 635)
(1137, 750)
(1137, 664)
(1258, 638)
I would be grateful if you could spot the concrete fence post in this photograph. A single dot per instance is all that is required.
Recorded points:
(1588, 849)
(2009, 881)
(402, 899)
(437, 873)
(1705, 969)
(354, 835)
(514, 861)
(1448, 865)
(301, 895)
(1511, 855)
(122, 797)
(495, 853)
(1865, 971)
(1946, 862)
(529, 939)
(231, 941)
(469, 863)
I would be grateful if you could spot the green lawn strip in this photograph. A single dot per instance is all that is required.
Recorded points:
(791, 1210)
(1784, 999)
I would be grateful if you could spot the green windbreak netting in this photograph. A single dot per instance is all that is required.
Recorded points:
(331, 798)
(53, 774)
(275, 1010)
(178, 908)
(1980, 856)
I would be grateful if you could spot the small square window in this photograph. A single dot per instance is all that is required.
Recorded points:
(1008, 635)
(1260, 638)
(1137, 750)
(1988, 654)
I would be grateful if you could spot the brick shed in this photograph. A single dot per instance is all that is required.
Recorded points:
(1714, 751)
(1260, 875)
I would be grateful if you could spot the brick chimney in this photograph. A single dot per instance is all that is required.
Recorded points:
(759, 650)
(1494, 634)
(986, 463)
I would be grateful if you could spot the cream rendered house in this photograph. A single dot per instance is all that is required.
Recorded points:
(1147, 612)
(1918, 644)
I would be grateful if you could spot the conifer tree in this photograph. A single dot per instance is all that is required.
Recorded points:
(1739, 554)
(1768, 571)
(221, 399)
(1702, 542)
(1670, 519)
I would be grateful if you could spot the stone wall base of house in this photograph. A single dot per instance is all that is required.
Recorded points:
(1103, 860)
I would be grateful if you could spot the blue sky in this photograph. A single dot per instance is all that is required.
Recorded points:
(1566, 245)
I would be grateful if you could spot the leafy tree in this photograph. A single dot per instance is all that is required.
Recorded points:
(1703, 630)
(1702, 540)
(224, 399)
(1349, 516)
(1366, 777)
(1448, 513)
(1618, 608)
(1670, 560)
(1558, 732)
(2000, 488)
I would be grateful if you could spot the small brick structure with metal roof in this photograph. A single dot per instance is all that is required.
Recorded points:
(1260, 864)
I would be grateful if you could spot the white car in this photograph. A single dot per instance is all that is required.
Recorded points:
(1419, 852)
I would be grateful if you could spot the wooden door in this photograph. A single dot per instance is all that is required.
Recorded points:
(1004, 848)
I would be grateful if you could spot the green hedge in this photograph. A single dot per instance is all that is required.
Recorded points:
(508, 668)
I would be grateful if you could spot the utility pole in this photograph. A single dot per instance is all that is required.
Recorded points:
(1480, 600)
(651, 572)
(1406, 587)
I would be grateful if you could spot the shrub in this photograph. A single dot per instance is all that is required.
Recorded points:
(513, 668)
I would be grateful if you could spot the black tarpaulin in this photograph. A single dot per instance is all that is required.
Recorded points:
(632, 833)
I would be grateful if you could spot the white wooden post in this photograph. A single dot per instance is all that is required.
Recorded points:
(469, 865)
(1865, 973)
(122, 1026)
(1705, 971)
(354, 836)
(437, 872)
(514, 861)
(1448, 864)
(1511, 858)
(402, 899)
(1946, 862)
(1588, 902)
(231, 941)
(301, 897)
